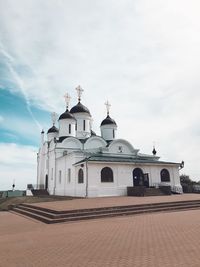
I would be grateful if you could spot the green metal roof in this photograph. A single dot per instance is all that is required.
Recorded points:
(104, 158)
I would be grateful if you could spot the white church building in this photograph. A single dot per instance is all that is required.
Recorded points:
(74, 161)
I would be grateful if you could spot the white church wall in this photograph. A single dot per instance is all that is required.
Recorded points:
(155, 177)
(60, 178)
(67, 184)
(51, 171)
(80, 118)
(80, 188)
(176, 176)
(64, 127)
(108, 132)
(43, 163)
(51, 136)
(122, 179)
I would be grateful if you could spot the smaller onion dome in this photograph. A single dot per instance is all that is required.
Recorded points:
(108, 120)
(66, 115)
(53, 129)
(154, 151)
(80, 108)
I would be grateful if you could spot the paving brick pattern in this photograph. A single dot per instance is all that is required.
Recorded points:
(151, 240)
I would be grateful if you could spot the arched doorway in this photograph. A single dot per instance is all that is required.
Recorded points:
(138, 177)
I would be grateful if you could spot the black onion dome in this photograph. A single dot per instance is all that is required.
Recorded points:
(108, 120)
(80, 108)
(66, 115)
(53, 129)
(154, 151)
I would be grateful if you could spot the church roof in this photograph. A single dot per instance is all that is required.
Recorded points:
(79, 108)
(108, 120)
(53, 129)
(105, 158)
(66, 115)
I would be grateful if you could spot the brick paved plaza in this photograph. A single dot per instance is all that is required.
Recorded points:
(164, 239)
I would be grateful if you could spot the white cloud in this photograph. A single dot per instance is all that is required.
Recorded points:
(17, 163)
(141, 55)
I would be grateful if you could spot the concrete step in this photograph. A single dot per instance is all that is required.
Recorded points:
(36, 208)
(79, 217)
(153, 192)
(40, 192)
(52, 216)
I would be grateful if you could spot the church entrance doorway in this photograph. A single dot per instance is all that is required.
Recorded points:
(139, 178)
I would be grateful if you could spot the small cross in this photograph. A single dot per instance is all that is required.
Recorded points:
(67, 99)
(53, 117)
(108, 105)
(79, 92)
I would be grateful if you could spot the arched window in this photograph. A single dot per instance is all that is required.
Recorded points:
(164, 175)
(113, 133)
(106, 175)
(80, 176)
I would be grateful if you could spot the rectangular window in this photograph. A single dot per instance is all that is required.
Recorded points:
(113, 133)
(76, 127)
(60, 177)
(69, 176)
(69, 128)
(83, 125)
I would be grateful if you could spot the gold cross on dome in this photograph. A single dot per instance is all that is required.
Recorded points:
(108, 105)
(67, 99)
(79, 90)
(53, 117)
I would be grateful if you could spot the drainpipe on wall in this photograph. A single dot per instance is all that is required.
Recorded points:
(86, 164)
(54, 190)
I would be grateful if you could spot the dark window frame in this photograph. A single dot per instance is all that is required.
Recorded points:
(70, 128)
(164, 175)
(80, 176)
(107, 175)
(83, 125)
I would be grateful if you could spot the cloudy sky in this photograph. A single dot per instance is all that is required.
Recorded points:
(141, 55)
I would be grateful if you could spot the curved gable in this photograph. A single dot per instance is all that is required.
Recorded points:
(95, 142)
(71, 142)
(121, 146)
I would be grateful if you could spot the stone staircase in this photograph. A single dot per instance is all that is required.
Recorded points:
(153, 192)
(53, 216)
(40, 192)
